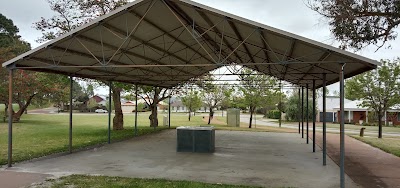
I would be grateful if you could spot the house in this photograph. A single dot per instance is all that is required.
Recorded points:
(354, 113)
(128, 106)
(100, 100)
(331, 113)
(178, 106)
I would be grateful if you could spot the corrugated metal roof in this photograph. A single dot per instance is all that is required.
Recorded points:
(166, 43)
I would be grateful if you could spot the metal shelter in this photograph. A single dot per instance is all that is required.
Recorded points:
(165, 43)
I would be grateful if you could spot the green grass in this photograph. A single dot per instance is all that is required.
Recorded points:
(40, 135)
(389, 145)
(370, 128)
(350, 126)
(117, 182)
(2, 107)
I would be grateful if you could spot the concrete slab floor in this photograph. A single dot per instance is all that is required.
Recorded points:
(246, 158)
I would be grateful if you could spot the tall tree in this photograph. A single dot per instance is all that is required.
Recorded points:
(379, 89)
(70, 14)
(359, 23)
(59, 85)
(192, 100)
(27, 84)
(257, 90)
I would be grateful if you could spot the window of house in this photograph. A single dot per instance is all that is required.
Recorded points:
(398, 116)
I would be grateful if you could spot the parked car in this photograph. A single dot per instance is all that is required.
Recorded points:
(101, 111)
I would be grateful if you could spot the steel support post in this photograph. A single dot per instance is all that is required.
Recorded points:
(324, 121)
(307, 119)
(109, 111)
(151, 120)
(313, 116)
(298, 113)
(302, 112)
(71, 82)
(136, 109)
(341, 77)
(10, 115)
(280, 104)
(169, 112)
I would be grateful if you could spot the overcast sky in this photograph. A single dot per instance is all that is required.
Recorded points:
(289, 15)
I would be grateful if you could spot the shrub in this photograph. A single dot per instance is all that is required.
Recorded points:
(274, 114)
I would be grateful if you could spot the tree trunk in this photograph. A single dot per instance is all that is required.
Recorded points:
(153, 117)
(22, 108)
(190, 114)
(5, 112)
(251, 116)
(210, 116)
(118, 120)
(380, 124)
(6, 109)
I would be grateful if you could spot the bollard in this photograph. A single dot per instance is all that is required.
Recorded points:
(362, 132)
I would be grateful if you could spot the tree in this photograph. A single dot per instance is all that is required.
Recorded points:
(91, 104)
(71, 14)
(257, 90)
(359, 23)
(89, 90)
(379, 89)
(60, 88)
(152, 96)
(26, 84)
(292, 109)
(213, 94)
(192, 101)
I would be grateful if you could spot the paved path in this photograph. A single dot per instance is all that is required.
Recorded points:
(366, 165)
(11, 179)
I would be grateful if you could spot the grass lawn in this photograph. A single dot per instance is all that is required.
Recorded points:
(358, 127)
(349, 126)
(114, 182)
(2, 107)
(39, 135)
(390, 145)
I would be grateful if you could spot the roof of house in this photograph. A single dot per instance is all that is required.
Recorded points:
(129, 103)
(331, 102)
(98, 98)
(356, 106)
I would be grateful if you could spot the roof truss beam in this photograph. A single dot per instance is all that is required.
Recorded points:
(220, 34)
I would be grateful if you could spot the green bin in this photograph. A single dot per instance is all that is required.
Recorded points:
(195, 139)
